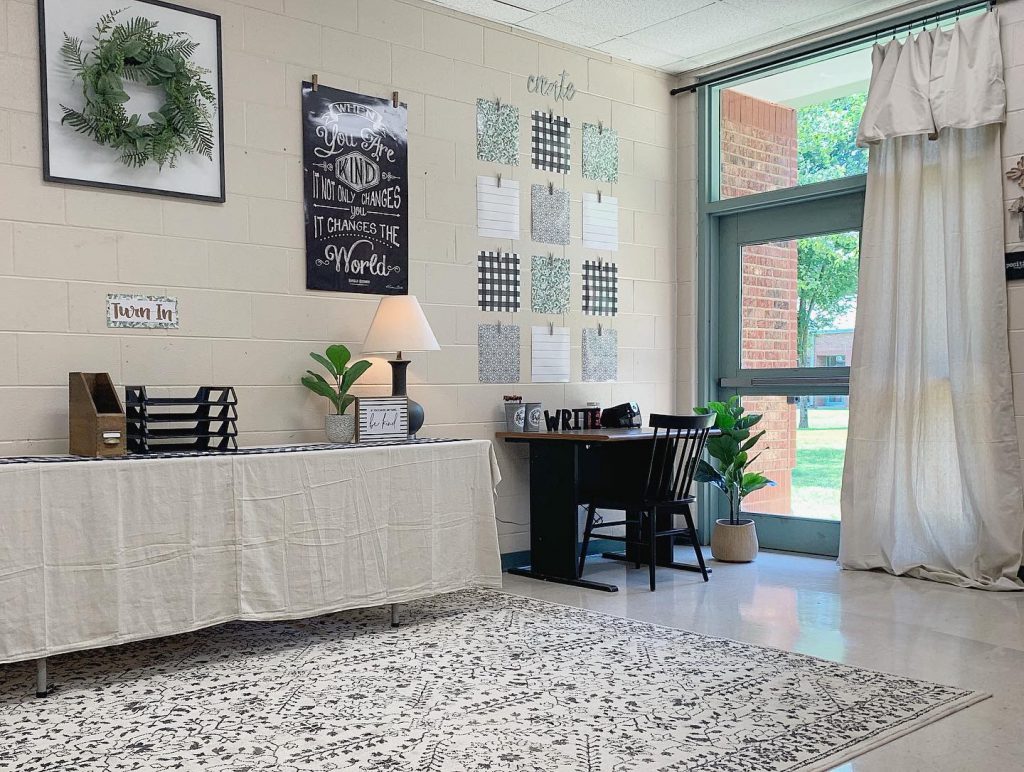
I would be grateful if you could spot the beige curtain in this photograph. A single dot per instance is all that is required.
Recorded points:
(932, 482)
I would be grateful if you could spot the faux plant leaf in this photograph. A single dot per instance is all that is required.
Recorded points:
(323, 389)
(165, 64)
(346, 400)
(339, 356)
(353, 374)
(752, 441)
(328, 365)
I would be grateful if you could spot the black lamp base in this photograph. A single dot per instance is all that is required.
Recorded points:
(398, 389)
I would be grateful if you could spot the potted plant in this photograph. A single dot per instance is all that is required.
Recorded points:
(733, 540)
(340, 425)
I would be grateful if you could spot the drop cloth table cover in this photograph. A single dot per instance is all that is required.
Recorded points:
(104, 552)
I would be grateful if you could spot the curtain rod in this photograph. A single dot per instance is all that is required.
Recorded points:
(802, 52)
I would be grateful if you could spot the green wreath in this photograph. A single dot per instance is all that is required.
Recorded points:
(135, 51)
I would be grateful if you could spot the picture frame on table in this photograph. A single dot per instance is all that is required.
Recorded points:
(188, 162)
(382, 418)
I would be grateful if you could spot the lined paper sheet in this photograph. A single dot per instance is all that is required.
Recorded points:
(601, 222)
(550, 354)
(497, 208)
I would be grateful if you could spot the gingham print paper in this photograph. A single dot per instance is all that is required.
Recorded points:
(498, 281)
(549, 148)
(600, 288)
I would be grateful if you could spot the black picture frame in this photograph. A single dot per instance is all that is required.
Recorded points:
(48, 176)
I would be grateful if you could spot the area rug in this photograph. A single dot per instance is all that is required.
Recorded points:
(472, 681)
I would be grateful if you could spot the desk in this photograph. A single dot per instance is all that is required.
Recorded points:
(565, 468)
(101, 552)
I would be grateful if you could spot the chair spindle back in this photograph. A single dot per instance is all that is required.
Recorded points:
(678, 444)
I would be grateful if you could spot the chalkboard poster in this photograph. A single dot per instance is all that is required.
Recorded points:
(355, 158)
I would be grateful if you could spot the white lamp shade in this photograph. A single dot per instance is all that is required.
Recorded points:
(399, 325)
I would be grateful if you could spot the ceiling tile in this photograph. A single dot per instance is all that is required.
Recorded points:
(624, 48)
(620, 17)
(705, 29)
(564, 31)
(537, 5)
(488, 9)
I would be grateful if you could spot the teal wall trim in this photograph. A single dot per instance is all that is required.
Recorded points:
(520, 559)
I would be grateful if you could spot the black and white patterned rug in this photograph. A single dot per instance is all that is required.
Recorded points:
(472, 681)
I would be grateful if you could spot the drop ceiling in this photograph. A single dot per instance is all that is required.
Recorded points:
(676, 36)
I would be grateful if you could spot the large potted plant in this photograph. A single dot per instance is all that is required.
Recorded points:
(340, 425)
(733, 540)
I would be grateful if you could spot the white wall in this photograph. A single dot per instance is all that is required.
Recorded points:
(238, 269)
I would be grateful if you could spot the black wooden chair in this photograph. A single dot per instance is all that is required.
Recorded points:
(677, 447)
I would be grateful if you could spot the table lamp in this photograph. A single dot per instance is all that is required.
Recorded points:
(399, 325)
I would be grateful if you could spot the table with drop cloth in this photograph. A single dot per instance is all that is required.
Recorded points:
(101, 552)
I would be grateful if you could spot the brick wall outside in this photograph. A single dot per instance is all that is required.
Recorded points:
(758, 155)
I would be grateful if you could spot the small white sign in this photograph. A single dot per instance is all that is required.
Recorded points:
(146, 311)
(382, 418)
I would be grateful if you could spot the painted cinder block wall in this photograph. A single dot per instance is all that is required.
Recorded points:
(238, 268)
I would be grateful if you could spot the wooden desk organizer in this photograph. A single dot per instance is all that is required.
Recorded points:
(96, 425)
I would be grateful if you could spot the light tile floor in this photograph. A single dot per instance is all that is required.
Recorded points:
(909, 627)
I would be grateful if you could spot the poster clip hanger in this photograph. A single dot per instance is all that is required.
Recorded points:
(600, 127)
(551, 188)
(600, 330)
(499, 179)
(316, 82)
(394, 99)
(599, 195)
(551, 328)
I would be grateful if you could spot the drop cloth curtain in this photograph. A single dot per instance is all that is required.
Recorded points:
(932, 482)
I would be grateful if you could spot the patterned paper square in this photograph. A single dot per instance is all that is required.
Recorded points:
(600, 288)
(600, 153)
(497, 132)
(549, 285)
(600, 222)
(549, 146)
(549, 214)
(497, 208)
(498, 281)
(499, 353)
(600, 355)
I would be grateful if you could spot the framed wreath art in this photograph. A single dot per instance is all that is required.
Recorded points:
(132, 96)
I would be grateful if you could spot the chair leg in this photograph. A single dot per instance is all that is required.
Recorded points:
(696, 544)
(638, 535)
(652, 544)
(586, 538)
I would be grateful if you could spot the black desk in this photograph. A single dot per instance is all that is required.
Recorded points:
(566, 468)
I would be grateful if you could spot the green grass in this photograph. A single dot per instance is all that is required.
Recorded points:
(820, 451)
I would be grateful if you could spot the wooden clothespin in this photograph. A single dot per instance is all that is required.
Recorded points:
(499, 179)
(499, 327)
(599, 196)
(600, 127)
(316, 82)
(600, 330)
(551, 188)
(551, 328)
(497, 102)
(394, 99)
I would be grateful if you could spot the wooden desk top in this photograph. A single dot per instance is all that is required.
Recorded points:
(580, 435)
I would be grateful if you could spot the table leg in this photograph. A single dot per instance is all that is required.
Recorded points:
(394, 615)
(41, 685)
(554, 516)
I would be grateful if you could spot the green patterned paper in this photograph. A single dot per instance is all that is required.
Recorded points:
(549, 285)
(600, 153)
(497, 132)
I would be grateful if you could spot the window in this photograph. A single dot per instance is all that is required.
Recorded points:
(799, 299)
(793, 127)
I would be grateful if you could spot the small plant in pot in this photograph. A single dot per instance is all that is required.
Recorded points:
(733, 540)
(341, 425)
